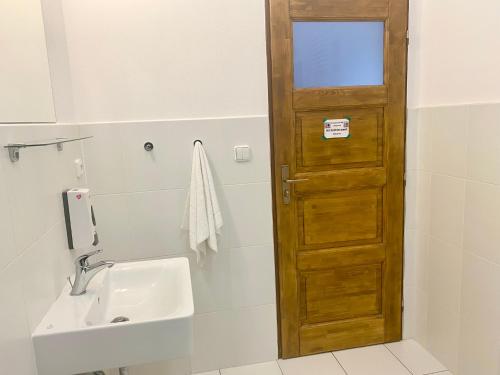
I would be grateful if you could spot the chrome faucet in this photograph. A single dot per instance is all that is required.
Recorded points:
(85, 272)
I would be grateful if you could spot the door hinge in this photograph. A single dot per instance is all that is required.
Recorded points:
(407, 36)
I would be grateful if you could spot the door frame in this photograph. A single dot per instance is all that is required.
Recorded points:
(399, 148)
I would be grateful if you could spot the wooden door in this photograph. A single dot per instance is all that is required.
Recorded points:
(339, 201)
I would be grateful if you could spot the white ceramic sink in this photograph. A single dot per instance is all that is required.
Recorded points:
(155, 296)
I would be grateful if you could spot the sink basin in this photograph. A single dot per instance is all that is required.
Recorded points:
(132, 313)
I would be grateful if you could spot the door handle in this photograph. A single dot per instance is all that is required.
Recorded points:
(285, 183)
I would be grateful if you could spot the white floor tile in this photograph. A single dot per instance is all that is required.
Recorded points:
(209, 373)
(373, 360)
(418, 360)
(266, 368)
(322, 364)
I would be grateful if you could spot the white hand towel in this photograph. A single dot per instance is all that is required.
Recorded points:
(202, 216)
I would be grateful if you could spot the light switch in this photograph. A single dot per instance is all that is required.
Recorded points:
(242, 153)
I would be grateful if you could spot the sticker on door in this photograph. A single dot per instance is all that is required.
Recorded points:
(336, 128)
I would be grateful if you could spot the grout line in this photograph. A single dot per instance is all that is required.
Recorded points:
(400, 361)
(439, 372)
(184, 188)
(340, 364)
(281, 370)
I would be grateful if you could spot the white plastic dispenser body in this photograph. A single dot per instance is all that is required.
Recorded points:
(80, 220)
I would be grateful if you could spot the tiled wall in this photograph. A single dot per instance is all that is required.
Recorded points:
(139, 199)
(452, 271)
(34, 258)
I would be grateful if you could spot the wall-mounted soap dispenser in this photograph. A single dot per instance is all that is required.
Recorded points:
(80, 220)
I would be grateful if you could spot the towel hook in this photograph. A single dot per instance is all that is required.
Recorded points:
(197, 141)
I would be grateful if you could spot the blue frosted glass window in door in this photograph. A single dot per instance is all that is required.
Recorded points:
(338, 54)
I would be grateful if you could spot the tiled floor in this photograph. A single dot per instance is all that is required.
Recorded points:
(401, 358)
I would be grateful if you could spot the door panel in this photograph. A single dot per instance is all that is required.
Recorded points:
(340, 217)
(363, 148)
(341, 293)
(339, 210)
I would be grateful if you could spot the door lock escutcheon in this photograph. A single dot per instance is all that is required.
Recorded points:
(286, 181)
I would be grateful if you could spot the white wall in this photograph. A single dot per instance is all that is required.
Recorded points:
(452, 268)
(454, 52)
(132, 67)
(34, 257)
(25, 90)
(452, 278)
(139, 204)
(156, 59)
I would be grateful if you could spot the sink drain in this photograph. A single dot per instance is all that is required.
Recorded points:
(120, 319)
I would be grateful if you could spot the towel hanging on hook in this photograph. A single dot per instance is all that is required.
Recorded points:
(202, 215)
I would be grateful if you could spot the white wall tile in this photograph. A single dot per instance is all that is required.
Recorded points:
(424, 149)
(104, 158)
(449, 140)
(480, 326)
(112, 219)
(254, 335)
(39, 288)
(423, 201)
(483, 160)
(482, 220)
(253, 276)
(32, 187)
(27, 185)
(411, 200)
(212, 281)
(139, 207)
(447, 208)
(421, 313)
(212, 341)
(16, 353)
(155, 220)
(416, 258)
(443, 333)
(249, 214)
(167, 166)
(445, 274)
(8, 249)
(409, 312)
(412, 123)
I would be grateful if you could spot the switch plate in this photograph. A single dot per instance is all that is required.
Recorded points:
(242, 153)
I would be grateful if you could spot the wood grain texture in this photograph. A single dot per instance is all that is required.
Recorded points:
(339, 240)
(340, 9)
(397, 27)
(341, 335)
(340, 217)
(280, 47)
(362, 148)
(331, 97)
(341, 293)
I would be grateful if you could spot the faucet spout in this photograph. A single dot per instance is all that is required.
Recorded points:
(86, 272)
